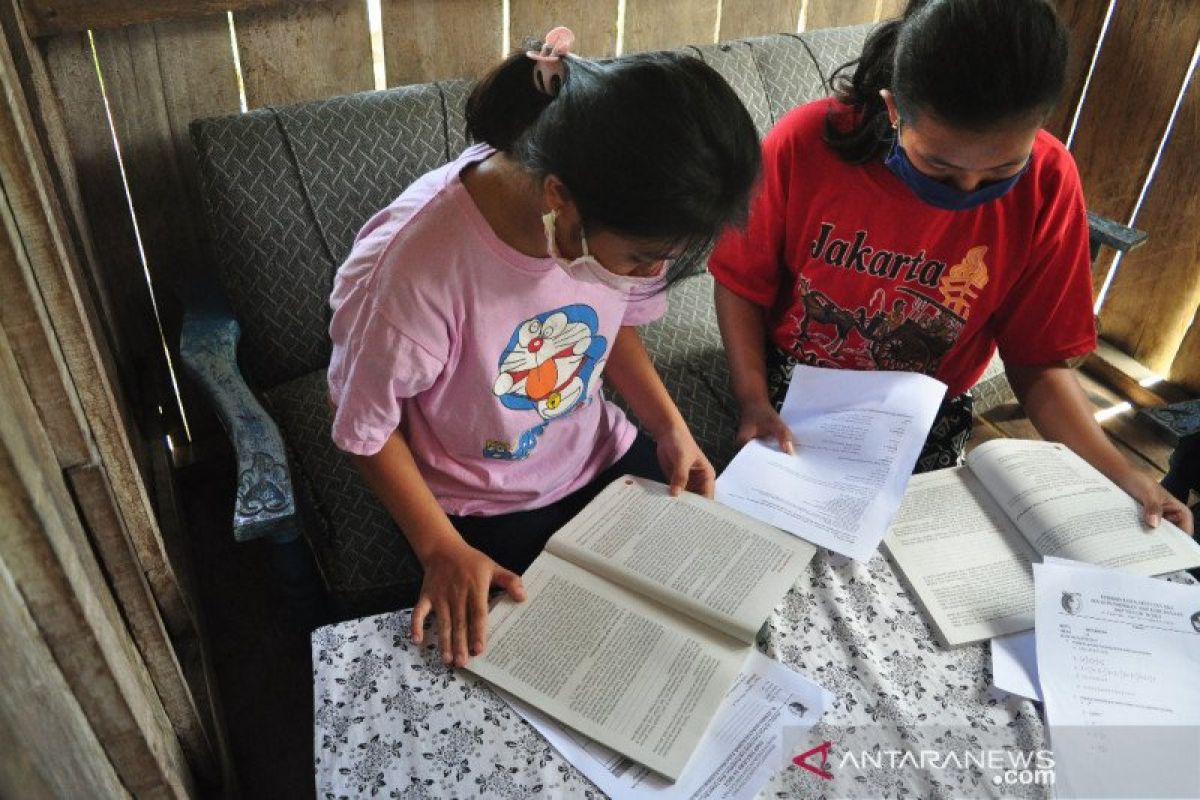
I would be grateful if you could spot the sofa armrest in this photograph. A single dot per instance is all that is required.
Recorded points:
(1103, 231)
(265, 504)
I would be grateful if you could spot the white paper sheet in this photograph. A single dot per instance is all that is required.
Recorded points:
(1118, 660)
(1014, 665)
(857, 435)
(1014, 657)
(737, 756)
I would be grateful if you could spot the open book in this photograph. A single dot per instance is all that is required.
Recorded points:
(639, 617)
(966, 538)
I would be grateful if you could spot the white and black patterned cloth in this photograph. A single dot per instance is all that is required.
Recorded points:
(392, 722)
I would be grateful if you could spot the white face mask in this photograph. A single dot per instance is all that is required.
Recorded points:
(587, 269)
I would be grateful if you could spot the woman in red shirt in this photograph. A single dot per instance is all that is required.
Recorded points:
(919, 220)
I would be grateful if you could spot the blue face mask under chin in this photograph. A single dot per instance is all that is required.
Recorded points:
(941, 195)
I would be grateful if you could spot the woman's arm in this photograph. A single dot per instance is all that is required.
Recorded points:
(1058, 408)
(457, 576)
(631, 373)
(743, 329)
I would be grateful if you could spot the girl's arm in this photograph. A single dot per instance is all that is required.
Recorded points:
(632, 374)
(457, 576)
(743, 329)
(1060, 411)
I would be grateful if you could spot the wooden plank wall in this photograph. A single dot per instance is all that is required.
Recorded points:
(1140, 67)
(152, 68)
(448, 38)
(304, 52)
(109, 603)
(1156, 291)
(594, 23)
(1084, 20)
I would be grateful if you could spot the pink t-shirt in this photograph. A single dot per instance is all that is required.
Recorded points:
(486, 359)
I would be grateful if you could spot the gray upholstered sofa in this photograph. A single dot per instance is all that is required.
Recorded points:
(286, 191)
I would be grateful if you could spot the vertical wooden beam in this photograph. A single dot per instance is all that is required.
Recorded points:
(93, 496)
(1084, 20)
(1142, 64)
(1156, 291)
(427, 40)
(51, 278)
(44, 371)
(50, 131)
(836, 13)
(49, 748)
(304, 52)
(594, 23)
(742, 18)
(654, 25)
(53, 569)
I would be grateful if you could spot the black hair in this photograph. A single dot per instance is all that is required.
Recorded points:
(654, 146)
(972, 64)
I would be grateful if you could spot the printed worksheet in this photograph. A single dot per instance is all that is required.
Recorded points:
(1118, 659)
(857, 437)
(737, 756)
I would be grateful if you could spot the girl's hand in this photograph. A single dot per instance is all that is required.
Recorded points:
(684, 463)
(761, 421)
(1157, 502)
(455, 589)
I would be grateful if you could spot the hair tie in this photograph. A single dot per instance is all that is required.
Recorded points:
(548, 70)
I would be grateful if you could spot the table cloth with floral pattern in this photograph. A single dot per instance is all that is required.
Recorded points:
(392, 722)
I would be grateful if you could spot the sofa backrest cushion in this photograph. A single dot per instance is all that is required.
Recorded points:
(288, 189)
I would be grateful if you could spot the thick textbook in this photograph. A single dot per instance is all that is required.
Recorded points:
(966, 537)
(640, 614)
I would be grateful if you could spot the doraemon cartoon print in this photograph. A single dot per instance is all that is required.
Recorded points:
(550, 365)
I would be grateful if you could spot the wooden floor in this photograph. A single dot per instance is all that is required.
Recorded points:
(1144, 448)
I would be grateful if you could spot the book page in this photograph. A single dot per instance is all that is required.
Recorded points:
(967, 564)
(714, 564)
(1066, 508)
(638, 678)
(858, 435)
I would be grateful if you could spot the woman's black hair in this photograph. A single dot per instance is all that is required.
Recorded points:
(972, 64)
(652, 146)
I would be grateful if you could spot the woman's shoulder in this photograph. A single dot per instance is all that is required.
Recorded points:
(423, 211)
(802, 130)
(1052, 158)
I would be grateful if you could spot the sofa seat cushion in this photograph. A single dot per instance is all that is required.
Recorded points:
(992, 389)
(685, 346)
(364, 558)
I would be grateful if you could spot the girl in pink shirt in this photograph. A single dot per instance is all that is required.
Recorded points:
(476, 314)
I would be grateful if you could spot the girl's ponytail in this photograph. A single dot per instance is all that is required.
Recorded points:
(505, 102)
(862, 138)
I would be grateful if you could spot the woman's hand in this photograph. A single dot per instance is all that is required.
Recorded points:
(455, 589)
(761, 421)
(684, 463)
(1157, 502)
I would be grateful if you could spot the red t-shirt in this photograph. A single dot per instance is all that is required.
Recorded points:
(856, 272)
